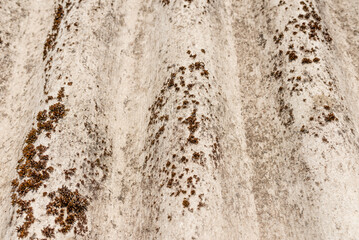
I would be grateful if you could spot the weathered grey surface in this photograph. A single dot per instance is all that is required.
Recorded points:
(187, 119)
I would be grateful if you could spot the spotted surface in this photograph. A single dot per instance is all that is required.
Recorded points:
(191, 119)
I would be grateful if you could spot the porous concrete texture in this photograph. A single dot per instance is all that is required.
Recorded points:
(179, 119)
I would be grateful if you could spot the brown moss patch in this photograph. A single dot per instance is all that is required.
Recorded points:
(61, 94)
(69, 173)
(41, 116)
(165, 2)
(192, 139)
(306, 61)
(29, 151)
(47, 126)
(41, 149)
(292, 56)
(57, 111)
(73, 204)
(330, 117)
(51, 37)
(15, 183)
(23, 207)
(185, 203)
(48, 232)
(31, 136)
